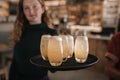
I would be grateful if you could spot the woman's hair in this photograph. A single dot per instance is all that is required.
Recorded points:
(21, 20)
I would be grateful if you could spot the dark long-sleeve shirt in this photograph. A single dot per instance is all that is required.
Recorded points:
(27, 47)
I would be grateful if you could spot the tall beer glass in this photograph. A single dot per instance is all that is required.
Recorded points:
(55, 51)
(81, 49)
(44, 46)
(65, 47)
(70, 46)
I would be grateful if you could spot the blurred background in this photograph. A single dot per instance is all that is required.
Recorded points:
(99, 18)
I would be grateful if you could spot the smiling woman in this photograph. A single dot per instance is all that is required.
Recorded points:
(33, 11)
(24, 16)
(31, 23)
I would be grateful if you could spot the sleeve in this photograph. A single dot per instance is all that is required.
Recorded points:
(54, 32)
(51, 31)
(13, 71)
(52, 70)
(111, 53)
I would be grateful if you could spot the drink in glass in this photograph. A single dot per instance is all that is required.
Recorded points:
(44, 46)
(70, 46)
(55, 51)
(81, 49)
(65, 47)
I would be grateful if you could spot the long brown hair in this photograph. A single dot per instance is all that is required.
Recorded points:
(21, 20)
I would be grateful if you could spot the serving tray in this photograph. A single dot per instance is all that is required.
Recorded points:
(70, 64)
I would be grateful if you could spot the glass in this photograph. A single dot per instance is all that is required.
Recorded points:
(55, 51)
(70, 46)
(44, 46)
(81, 49)
(65, 47)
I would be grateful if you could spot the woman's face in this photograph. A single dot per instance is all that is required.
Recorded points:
(33, 11)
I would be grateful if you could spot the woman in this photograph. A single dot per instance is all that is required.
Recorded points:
(31, 23)
(112, 55)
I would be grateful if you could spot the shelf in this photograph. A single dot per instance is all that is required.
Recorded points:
(4, 7)
(110, 13)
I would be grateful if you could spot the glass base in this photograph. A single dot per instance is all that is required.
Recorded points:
(64, 59)
(80, 60)
(45, 58)
(55, 64)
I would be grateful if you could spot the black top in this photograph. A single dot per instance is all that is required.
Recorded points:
(29, 46)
